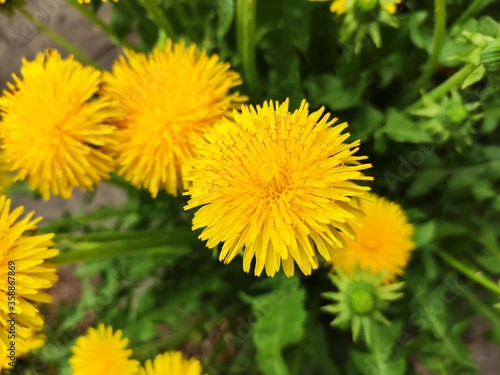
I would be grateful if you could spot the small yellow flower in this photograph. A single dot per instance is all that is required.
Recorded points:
(24, 272)
(172, 363)
(383, 243)
(169, 99)
(278, 185)
(53, 127)
(100, 352)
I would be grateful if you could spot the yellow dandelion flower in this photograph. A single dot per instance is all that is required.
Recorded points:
(172, 363)
(338, 6)
(5, 174)
(102, 351)
(392, 6)
(277, 184)
(383, 243)
(24, 272)
(169, 98)
(53, 128)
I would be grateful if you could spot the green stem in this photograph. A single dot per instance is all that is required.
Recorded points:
(451, 83)
(102, 25)
(175, 241)
(80, 55)
(468, 271)
(158, 17)
(97, 251)
(172, 341)
(106, 236)
(478, 305)
(437, 45)
(245, 30)
(475, 7)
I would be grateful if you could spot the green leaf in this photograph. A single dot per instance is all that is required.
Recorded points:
(425, 181)
(424, 233)
(401, 129)
(382, 360)
(420, 33)
(474, 77)
(280, 317)
(225, 12)
(333, 92)
(366, 120)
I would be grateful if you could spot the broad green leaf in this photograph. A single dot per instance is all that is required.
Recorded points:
(420, 32)
(333, 92)
(401, 129)
(384, 358)
(280, 317)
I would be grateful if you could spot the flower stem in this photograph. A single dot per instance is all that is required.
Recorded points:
(451, 83)
(102, 25)
(95, 246)
(468, 271)
(80, 55)
(158, 17)
(474, 7)
(245, 30)
(437, 45)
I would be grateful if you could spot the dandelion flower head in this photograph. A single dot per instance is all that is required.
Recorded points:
(383, 243)
(53, 128)
(172, 363)
(24, 272)
(102, 351)
(169, 99)
(278, 185)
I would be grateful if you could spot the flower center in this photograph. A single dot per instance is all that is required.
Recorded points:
(273, 176)
(370, 244)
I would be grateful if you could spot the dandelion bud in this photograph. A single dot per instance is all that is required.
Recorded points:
(361, 298)
(366, 5)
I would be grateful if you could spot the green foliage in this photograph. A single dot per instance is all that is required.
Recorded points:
(144, 271)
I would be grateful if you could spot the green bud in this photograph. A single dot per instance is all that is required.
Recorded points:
(456, 113)
(490, 56)
(366, 5)
(361, 298)
(366, 11)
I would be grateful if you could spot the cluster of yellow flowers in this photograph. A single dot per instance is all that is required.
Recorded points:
(274, 185)
(102, 351)
(278, 185)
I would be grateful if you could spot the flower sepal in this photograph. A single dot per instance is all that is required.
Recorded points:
(360, 300)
